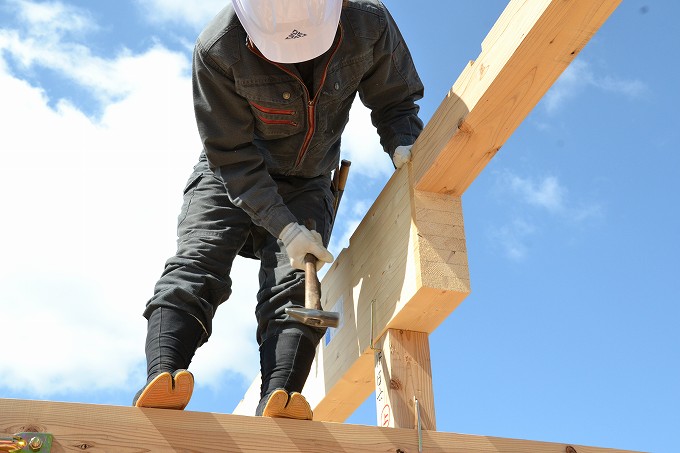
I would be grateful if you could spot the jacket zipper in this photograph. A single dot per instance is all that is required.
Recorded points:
(311, 102)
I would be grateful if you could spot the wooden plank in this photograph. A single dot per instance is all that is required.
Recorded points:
(403, 379)
(525, 52)
(118, 429)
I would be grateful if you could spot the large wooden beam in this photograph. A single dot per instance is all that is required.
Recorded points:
(117, 429)
(406, 265)
(528, 48)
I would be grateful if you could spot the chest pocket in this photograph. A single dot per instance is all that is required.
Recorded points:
(344, 77)
(339, 90)
(277, 106)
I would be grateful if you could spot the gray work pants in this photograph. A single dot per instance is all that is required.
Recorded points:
(212, 231)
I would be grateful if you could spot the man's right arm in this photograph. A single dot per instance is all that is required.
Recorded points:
(226, 125)
(390, 89)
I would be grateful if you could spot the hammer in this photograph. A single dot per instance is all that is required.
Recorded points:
(312, 314)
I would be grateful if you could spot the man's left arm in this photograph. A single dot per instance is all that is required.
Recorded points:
(390, 89)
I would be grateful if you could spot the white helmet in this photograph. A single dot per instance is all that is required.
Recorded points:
(290, 31)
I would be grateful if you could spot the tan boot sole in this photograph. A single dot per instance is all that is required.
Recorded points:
(280, 405)
(162, 393)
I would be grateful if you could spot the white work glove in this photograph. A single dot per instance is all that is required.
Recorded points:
(402, 155)
(299, 241)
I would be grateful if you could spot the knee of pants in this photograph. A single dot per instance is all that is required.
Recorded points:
(271, 309)
(195, 280)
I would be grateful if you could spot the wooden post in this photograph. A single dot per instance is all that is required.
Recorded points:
(403, 375)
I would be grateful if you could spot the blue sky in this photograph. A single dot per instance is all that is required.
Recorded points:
(571, 331)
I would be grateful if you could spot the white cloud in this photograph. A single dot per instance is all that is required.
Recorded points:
(361, 145)
(195, 14)
(580, 76)
(89, 217)
(90, 207)
(512, 238)
(106, 79)
(549, 194)
(46, 19)
(546, 194)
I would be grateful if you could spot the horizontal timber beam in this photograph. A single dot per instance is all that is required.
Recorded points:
(118, 429)
(525, 52)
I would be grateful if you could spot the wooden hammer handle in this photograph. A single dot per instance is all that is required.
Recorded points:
(343, 172)
(312, 285)
(339, 182)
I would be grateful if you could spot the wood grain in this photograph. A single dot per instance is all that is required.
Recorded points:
(117, 429)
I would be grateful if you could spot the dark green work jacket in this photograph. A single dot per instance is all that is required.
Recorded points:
(257, 118)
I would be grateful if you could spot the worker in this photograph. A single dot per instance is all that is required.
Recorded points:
(273, 83)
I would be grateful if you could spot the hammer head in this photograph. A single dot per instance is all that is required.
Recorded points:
(314, 318)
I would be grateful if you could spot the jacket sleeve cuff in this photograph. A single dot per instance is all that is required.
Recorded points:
(399, 140)
(277, 220)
